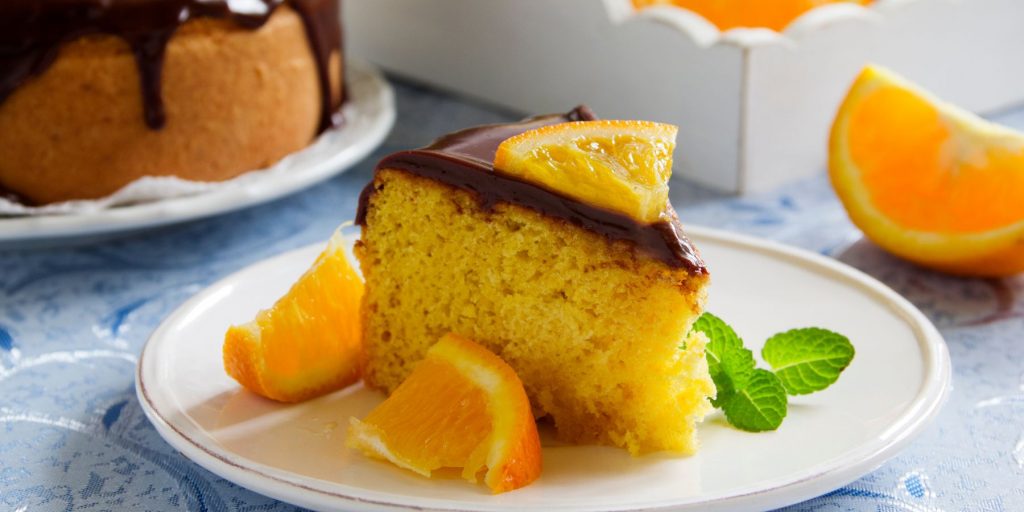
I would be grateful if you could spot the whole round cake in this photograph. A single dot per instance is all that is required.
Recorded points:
(95, 94)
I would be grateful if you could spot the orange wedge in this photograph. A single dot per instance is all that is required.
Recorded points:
(462, 407)
(623, 166)
(729, 14)
(928, 181)
(309, 343)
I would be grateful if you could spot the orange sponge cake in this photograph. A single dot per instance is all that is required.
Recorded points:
(96, 94)
(591, 307)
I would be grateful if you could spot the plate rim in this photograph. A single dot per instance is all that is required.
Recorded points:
(833, 473)
(379, 97)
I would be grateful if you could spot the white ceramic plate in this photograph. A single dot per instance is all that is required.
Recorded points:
(369, 115)
(892, 390)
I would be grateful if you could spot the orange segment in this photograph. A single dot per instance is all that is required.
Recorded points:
(928, 181)
(623, 166)
(462, 407)
(729, 14)
(309, 343)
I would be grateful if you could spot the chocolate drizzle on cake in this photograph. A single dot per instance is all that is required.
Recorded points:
(32, 31)
(14, 198)
(464, 160)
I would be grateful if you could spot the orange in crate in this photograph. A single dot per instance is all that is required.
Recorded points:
(310, 342)
(461, 407)
(727, 14)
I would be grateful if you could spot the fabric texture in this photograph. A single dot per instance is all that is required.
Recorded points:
(74, 319)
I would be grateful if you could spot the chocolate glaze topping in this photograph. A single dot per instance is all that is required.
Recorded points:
(464, 160)
(14, 198)
(32, 31)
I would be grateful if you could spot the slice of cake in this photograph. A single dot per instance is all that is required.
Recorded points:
(566, 277)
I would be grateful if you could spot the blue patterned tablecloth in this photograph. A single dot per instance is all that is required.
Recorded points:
(73, 320)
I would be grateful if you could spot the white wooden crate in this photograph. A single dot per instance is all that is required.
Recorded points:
(753, 106)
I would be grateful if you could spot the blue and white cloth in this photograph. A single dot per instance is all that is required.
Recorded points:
(73, 321)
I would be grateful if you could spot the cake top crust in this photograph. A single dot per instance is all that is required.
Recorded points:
(32, 31)
(464, 159)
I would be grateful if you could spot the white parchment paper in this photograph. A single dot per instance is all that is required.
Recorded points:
(155, 188)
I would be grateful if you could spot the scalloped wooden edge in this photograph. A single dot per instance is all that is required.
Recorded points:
(705, 34)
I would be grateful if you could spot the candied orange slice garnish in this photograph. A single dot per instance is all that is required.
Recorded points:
(623, 166)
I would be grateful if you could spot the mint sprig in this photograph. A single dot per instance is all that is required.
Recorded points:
(729, 362)
(759, 406)
(754, 399)
(807, 360)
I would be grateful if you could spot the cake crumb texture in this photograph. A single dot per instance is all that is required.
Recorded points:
(593, 327)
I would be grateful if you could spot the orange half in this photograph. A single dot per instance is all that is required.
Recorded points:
(310, 342)
(928, 181)
(461, 407)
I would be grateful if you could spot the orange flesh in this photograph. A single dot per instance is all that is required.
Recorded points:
(623, 166)
(461, 407)
(729, 14)
(639, 152)
(309, 343)
(431, 437)
(305, 339)
(904, 144)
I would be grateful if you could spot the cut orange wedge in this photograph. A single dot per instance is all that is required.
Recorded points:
(309, 343)
(461, 407)
(729, 14)
(928, 181)
(623, 166)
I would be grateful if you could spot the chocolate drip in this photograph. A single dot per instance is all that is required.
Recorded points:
(14, 198)
(323, 26)
(32, 31)
(464, 160)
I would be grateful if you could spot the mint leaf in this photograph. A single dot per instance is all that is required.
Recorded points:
(729, 363)
(807, 360)
(758, 406)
